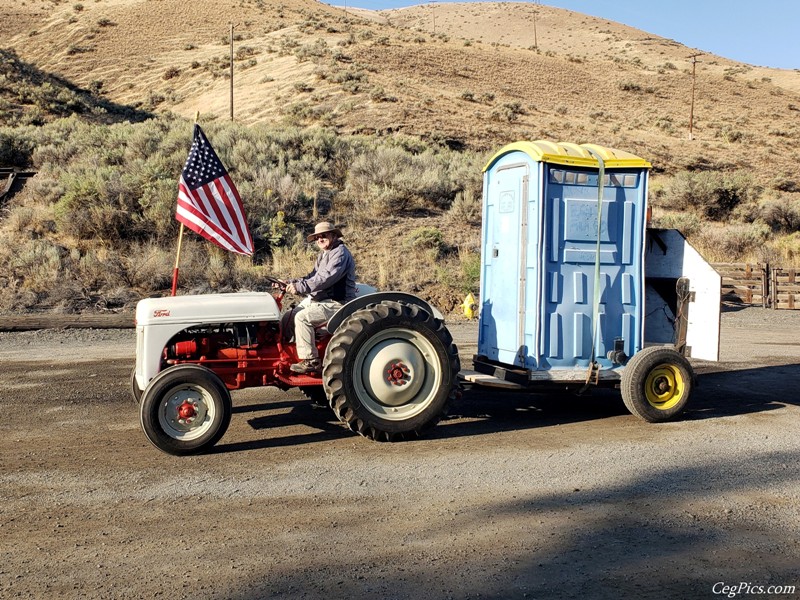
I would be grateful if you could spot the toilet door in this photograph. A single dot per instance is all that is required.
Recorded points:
(570, 249)
(503, 299)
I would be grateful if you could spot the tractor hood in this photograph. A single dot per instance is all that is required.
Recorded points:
(208, 308)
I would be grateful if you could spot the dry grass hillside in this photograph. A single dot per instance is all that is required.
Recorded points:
(469, 77)
(479, 80)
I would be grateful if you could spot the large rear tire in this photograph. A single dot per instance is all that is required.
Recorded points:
(185, 409)
(390, 371)
(657, 383)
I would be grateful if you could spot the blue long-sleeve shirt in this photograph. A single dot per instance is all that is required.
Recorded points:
(333, 277)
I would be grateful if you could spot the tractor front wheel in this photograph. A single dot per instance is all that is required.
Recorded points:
(390, 371)
(185, 409)
(136, 391)
(657, 383)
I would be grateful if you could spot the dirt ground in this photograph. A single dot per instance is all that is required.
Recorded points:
(514, 496)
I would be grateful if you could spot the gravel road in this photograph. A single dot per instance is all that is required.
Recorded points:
(514, 496)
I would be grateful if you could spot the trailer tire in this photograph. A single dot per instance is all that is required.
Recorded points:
(657, 384)
(185, 409)
(390, 371)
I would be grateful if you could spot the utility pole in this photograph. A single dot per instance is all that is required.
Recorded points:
(691, 109)
(433, 12)
(535, 12)
(231, 71)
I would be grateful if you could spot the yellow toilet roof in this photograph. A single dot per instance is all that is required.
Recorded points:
(565, 153)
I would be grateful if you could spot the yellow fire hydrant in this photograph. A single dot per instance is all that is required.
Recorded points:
(469, 306)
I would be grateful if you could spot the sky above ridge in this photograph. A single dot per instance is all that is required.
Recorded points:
(761, 33)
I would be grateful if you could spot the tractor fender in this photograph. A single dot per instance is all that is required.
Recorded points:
(364, 301)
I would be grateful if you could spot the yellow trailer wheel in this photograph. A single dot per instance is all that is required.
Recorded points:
(657, 383)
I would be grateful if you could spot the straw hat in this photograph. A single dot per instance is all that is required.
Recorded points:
(324, 227)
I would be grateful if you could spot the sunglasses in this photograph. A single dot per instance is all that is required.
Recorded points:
(323, 236)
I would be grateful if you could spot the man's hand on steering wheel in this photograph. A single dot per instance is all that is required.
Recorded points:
(278, 284)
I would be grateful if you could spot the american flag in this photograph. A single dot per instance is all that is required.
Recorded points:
(208, 202)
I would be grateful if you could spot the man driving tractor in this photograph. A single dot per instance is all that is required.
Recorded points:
(331, 284)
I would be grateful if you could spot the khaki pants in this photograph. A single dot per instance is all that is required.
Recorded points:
(306, 317)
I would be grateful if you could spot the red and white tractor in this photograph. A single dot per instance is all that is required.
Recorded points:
(389, 367)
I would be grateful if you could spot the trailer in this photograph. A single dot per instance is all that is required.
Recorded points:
(577, 291)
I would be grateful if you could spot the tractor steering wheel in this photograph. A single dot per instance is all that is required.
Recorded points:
(277, 283)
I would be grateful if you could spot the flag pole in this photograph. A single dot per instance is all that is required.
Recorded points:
(177, 260)
(180, 239)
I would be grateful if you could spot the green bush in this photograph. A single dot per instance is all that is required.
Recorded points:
(99, 217)
(425, 238)
(732, 242)
(782, 215)
(465, 209)
(686, 222)
(712, 194)
(462, 273)
(388, 180)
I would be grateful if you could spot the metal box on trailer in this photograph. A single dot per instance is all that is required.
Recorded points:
(563, 273)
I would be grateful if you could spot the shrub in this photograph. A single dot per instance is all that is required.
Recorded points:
(509, 112)
(37, 263)
(146, 266)
(389, 181)
(782, 215)
(378, 94)
(470, 271)
(686, 222)
(425, 238)
(629, 86)
(316, 50)
(243, 52)
(788, 247)
(712, 194)
(99, 217)
(782, 183)
(16, 148)
(293, 259)
(732, 242)
(466, 208)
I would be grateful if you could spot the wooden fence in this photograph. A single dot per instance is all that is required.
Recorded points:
(784, 288)
(744, 282)
(760, 284)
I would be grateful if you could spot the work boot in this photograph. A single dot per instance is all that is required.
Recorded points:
(307, 365)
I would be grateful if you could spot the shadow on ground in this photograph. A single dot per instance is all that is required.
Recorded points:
(484, 411)
(666, 533)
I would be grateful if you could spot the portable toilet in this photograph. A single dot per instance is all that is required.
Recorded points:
(544, 257)
(563, 289)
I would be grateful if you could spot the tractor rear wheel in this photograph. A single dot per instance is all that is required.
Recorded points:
(390, 371)
(657, 383)
(185, 409)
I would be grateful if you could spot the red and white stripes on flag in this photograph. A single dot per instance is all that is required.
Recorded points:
(208, 202)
